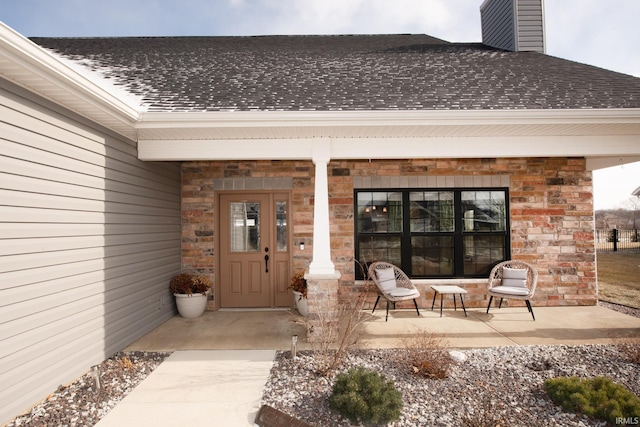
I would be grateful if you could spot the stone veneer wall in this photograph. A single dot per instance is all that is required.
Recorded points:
(550, 199)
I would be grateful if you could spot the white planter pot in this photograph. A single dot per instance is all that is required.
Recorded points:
(191, 306)
(301, 303)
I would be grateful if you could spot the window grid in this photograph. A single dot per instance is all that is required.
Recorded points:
(432, 233)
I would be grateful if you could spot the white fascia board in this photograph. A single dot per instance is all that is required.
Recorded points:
(391, 148)
(34, 60)
(233, 149)
(483, 147)
(221, 119)
(595, 163)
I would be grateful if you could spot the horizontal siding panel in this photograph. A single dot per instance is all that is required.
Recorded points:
(35, 245)
(24, 142)
(50, 188)
(123, 158)
(530, 26)
(38, 168)
(18, 214)
(42, 230)
(41, 277)
(30, 326)
(113, 279)
(26, 199)
(57, 368)
(78, 336)
(86, 324)
(36, 126)
(98, 172)
(110, 255)
(59, 122)
(17, 321)
(89, 239)
(81, 349)
(128, 329)
(20, 167)
(73, 328)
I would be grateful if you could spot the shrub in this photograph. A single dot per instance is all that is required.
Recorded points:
(427, 354)
(630, 349)
(366, 396)
(185, 283)
(597, 397)
(298, 283)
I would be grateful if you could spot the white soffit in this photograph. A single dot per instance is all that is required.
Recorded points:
(390, 134)
(28, 65)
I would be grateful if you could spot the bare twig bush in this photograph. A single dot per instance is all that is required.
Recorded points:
(125, 363)
(334, 328)
(489, 414)
(628, 344)
(427, 354)
(630, 349)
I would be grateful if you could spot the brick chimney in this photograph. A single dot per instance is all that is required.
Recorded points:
(515, 25)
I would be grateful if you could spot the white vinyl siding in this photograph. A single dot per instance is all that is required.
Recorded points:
(89, 239)
(515, 25)
(497, 24)
(530, 26)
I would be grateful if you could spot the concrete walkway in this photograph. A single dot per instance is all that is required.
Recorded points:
(197, 388)
(221, 361)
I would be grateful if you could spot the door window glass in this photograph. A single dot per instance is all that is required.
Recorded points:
(281, 226)
(245, 227)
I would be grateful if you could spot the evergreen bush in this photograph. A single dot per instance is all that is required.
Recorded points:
(597, 397)
(366, 396)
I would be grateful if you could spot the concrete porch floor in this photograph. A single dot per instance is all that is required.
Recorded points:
(261, 330)
(222, 360)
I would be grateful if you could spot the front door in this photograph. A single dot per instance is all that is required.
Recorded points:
(254, 267)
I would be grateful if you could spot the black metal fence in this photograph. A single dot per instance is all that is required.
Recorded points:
(611, 240)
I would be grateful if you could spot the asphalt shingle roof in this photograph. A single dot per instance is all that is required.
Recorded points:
(360, 72)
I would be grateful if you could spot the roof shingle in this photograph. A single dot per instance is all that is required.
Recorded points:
(360, 72)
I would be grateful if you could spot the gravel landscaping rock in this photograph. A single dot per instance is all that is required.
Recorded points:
(502, 386)
(631, 311)
(494, 386)
(81, 404)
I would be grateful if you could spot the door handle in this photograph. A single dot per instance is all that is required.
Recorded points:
(266, 263)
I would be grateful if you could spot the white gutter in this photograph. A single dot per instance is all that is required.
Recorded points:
(31, 61)
(221, 119)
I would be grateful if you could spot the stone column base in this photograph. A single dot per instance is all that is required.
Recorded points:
(322, 296)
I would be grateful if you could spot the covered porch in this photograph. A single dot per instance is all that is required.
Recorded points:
(273, 329)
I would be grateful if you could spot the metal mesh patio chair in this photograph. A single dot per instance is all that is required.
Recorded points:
(393, 285)
(512, 279)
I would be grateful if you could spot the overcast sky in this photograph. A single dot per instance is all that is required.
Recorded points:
(596, 32)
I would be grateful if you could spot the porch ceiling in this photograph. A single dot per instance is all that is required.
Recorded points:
(606, 136)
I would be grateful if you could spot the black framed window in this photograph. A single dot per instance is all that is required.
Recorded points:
(430, 233)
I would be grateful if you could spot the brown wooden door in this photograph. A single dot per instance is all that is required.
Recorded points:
(254, 250)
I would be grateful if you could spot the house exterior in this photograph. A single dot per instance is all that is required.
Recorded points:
(247, 159)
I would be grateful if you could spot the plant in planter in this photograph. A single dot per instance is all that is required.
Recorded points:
(298, 284)
(191, 294)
